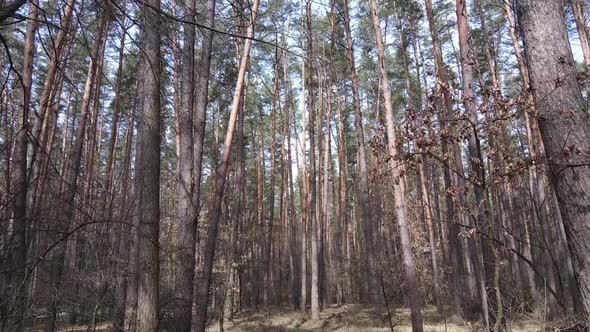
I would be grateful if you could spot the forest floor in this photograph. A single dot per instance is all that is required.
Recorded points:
(357, 318)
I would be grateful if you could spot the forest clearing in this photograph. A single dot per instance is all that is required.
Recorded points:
(294, 165)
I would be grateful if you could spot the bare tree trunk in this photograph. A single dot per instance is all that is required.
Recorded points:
(59, 255)
(233, 260)
(367, 216)
(483, 217)
(18, 251)
(186, 230)
(398, 178)
(269, 238)
(423, 181)
(52, 67)
(442, 94)
(563, 122)
(149, 185)
(201, 101)
(220, 178)
(303, 183)
(315, 305)
(532, 128)
(127, 233)
(110, 165)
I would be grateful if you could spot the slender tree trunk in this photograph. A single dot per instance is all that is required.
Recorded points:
(442, 94)
(186, 230)
(220, 178)
(343, 202)
(19, 186)
(398, 178)
(533, 137)
(127, 234)
(201, 100)
(313, 222)
(483, 217)
(59, 255)
(269, 223)
(367, 216)
(582, 27)
(236, 211)
(52, 67)
(423, 181)
(303, 183)
(110, 165)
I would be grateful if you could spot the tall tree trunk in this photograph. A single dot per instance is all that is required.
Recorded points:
(110, 165)
(149, 185)
(186, 230)
(564, 124)
(50, 77)
(483, 217)
(201, 101)
(126, 233)
(442, 94)
(423, 181)
(19, 186)
(534, 140)
(214, 214)
(303, 183)
(269, 223)
(59, 255)
(343, 202)
(393, 143)
(367, 216)
(312, 219)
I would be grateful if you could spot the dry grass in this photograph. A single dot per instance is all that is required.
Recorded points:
(357, 318)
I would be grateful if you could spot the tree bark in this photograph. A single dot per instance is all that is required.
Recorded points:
(269, 223)
(564, 124)
(186, 229)
(367, 216)
(52, 67)
(214, 214)
(398, 178)
(443, 101)
(149, 185)
(482, 214)
(110, 165)
(18, 174)
(59, 255)
(312, 219)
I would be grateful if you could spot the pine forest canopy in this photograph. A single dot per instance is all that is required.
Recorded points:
(180, 165)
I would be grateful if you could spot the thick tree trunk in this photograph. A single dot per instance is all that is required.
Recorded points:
(149, 185)
(398, 179)
(563, 122)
